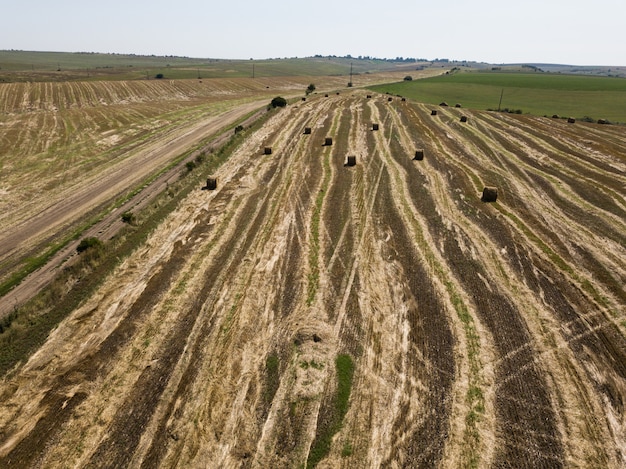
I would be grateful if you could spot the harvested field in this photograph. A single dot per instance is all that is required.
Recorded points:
(73, 150)
(377, 316)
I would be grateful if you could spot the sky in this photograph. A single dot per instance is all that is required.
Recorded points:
(574, 32)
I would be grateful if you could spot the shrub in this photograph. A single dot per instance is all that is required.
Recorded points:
(88, 243)
(190, 165)
(159, 76)
(5, 323)
(128, 217)
(310, 88)
(506, 109)
(278, 102)
(408, 78)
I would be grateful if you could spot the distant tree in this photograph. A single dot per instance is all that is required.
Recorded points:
(278, 102)
(310, 88)
(159, 76)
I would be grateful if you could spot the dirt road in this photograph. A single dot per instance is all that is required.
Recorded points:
(94, 196)
(486, 334)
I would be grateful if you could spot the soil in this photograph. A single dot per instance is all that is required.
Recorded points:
(482, 334)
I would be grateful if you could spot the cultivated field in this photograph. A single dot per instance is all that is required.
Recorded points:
(378, 315)
(541, 94)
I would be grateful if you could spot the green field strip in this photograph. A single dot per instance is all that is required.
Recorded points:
(538, 94)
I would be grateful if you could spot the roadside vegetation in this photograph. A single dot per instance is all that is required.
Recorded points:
(59, 136)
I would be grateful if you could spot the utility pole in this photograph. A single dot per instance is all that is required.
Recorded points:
(253, 70)
(500, 103)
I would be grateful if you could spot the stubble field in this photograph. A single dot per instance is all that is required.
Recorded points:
(72, 151)
(378, 315)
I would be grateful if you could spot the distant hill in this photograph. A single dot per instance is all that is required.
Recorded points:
(590, 70)
(17, 65)
(63, 66)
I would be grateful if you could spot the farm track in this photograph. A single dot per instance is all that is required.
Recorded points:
(92, 183)
(482, 334)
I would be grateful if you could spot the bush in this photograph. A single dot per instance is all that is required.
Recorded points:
(278, 102)
(128, 217)
(190, 165)
(408, 78)
(88, 243)
(310, 88)
(159, 76)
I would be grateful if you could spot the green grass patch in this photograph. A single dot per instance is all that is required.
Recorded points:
(321, 445)
(346, 450)
(538, 93)
(312, 364)
(345, 372)
(272, 378)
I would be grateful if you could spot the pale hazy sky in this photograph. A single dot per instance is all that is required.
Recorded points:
(579, 32)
